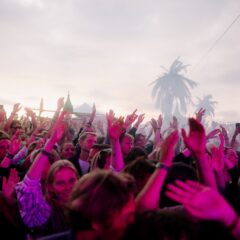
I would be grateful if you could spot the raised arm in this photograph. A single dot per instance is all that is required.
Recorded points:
(115, 130)
(195, 141)
(35, 210)
(31, 114)
(233, 140)
(157, 126)
(16, 108)
(129, 120)
(13, 150)
(205, 203)
(36, 169)
(225, 134)
(149, 196)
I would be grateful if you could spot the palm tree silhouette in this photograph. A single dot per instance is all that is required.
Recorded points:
(171, 90)
(207, 104)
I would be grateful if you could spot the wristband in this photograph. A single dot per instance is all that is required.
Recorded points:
(163, 166)
(48, 154)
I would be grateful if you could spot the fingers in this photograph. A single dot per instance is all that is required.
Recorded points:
(195, 125)
(183, 192)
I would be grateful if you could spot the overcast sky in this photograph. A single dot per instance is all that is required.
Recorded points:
(109, 51)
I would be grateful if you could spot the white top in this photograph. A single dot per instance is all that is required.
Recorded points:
(84, 166)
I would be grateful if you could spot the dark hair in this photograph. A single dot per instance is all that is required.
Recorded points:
(100, 146)
(125, 135)
(179, 171)
(14, 122)
(161, 224)
(134, 153)
(137, 136)
(97, 196)
(141, 169)
(100, 158)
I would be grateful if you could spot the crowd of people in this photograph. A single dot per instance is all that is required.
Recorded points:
(62, 179)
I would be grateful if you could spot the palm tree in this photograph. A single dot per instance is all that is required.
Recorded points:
(207, 104)
(172, 90)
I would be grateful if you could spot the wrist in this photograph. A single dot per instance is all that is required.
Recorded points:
(10, 155)
(199, 154)
(46, 153)
(49, 145)
(164, 166)
(231, 222)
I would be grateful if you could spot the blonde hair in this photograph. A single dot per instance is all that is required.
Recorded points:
(100, 158)
(55, 167)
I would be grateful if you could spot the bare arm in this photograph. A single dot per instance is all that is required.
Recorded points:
(149, 196)
(196, 143)
(115, 130)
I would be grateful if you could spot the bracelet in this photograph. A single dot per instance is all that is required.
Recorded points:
(9, 155)
(48, 154)
(234, 223)
(163, 166)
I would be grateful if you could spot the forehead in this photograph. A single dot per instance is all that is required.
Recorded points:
(16, 125)
(64, 174)
(68, 145)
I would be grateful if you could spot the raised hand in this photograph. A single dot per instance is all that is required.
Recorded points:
(213, 133)
(200, 114)
(16, 108)
(29, 112)
(15, 143)
(196, 139)
(8, 185)
(130, 119)
(59, 128)
(160, 121)
(225, 135)
(217, 159)
(2, 115)
(93, 113)
(174, 123)
(115, 127)
(200, 201)
(218, 156)
(140, 120)
(154, 124)
(111, 115)
(100, 126)
(168, 148)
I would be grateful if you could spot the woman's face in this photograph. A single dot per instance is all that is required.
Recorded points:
(64, 181)
(67, 151)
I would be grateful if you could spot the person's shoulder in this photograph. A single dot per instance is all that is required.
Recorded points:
(68, 235)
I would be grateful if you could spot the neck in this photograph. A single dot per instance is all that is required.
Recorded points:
(84, 155)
